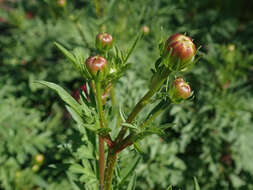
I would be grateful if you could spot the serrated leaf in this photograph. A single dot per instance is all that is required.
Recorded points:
(78, 169)
(74, 184)
(80, 121)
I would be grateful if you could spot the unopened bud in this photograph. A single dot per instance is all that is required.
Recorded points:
(104, 41)
(61, 3)
(95, 64)
(39, 158)
(145, 29)
(182, 51)
(180, 90)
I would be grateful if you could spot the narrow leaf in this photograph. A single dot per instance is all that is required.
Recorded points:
(138, 148)
(132, 47)
(128, 125)
(196, 185)
(132, 183)
(69, 55)
(65, 96)
(127, 171)
(122, 115)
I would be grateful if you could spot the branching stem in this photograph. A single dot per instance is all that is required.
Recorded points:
(139, 106)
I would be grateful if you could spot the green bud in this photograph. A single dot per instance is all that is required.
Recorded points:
(35, 168)
(39, 158)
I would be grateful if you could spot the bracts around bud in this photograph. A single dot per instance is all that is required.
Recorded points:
(96, 64)
(104, 42)
(180, 90)
(178, 53)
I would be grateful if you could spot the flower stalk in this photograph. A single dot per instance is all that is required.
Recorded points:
(101, 140)
(142, 103)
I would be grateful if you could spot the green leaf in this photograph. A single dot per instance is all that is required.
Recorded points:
(169, 188)
(65, 96)
(103, 131)
(122, 115)
(196, 185)
(78, 169)
(148, 132)
(80, 121)
(74, 184)
(77, 59)
(130, 126)
(138, 148)
(236, 181)
(68, 55)
(132, 183)
(128, 170)
(132, 47)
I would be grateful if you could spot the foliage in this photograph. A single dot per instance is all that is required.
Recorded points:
(210, 138)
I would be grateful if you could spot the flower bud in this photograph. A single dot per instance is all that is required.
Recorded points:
(39, 158)
(180, 90)
(61, 3)
(29, 15)
(104, 41)
(35, 168)
(182, 50)
(145, 29)
(231, 47)
(76, 93)
(96, 63)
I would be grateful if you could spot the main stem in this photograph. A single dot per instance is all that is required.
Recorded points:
(101, 140)
(111, 162)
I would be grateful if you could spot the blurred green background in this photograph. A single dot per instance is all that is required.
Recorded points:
(212, 138)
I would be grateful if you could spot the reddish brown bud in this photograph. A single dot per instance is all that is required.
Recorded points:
(96, 63)
(180, 90)
(182, 46)
(29, 15)
(76, 93)
(61, 3)
(104, 41)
